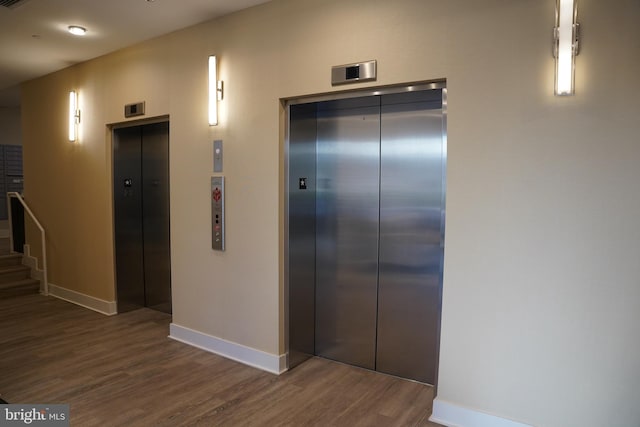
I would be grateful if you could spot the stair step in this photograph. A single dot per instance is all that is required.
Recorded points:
(14, 273)
(11, 259)
(5, 245)
(20, 287)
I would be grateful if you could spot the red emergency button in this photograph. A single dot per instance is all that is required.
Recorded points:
(217, 194)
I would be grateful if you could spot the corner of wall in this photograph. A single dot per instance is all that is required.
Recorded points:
(107, 308)
(275, 364)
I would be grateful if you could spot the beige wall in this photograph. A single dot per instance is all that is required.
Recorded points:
(541, 292)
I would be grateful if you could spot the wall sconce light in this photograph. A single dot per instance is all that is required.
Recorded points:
(74, 116)
(566, 45)
(215, 90)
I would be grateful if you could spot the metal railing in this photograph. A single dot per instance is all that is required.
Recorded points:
(10, 195)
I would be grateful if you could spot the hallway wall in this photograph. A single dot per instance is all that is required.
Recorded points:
(541, 295)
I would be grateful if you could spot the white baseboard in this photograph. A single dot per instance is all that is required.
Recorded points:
(451, 415)
(240, 353)
(92, 303)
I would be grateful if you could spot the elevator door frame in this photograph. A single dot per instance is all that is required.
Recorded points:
(112, 128)
(295, 359)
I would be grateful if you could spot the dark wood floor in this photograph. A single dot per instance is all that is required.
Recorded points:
(124, 371)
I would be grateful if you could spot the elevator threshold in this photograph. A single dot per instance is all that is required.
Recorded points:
(368, 370)
(158, 309)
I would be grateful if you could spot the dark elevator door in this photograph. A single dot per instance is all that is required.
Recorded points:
(141, 205)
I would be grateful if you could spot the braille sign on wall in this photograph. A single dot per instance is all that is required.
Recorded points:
(217, 155)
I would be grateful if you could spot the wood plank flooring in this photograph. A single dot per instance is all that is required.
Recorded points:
(124, 371)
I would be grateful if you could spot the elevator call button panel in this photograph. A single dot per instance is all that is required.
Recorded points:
(217, 213)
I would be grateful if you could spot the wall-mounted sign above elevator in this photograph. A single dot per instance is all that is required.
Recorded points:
(217, 213)
(352, 73)
(132, 110)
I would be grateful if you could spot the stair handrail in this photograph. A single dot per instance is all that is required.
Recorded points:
(10, 194)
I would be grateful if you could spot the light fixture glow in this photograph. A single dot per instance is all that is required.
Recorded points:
(215, 90)
(74, 116)
(76, 30)
(566, 46)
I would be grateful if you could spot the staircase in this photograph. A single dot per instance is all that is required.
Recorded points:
(14, 277)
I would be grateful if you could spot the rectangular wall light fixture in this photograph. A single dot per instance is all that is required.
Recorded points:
(74, 116)
(566, 45)
(215, 90)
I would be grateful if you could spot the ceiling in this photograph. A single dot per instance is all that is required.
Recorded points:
(34, 40)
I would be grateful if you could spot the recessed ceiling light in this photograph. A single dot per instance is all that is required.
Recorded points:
(76, 30)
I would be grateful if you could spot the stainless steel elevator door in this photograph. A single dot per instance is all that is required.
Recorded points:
(141, 216)
(347, 207)
(411, 235)
(155, 211)
(302, 226)
(375, 176)
(128, 236)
